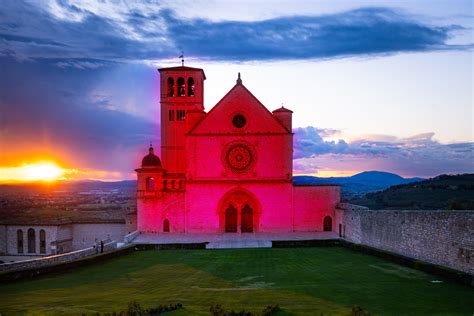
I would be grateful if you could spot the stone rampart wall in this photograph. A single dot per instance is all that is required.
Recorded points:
(3, 239)
(54, 260)
(440, 237)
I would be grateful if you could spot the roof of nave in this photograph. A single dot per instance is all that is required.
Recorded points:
(239, 100)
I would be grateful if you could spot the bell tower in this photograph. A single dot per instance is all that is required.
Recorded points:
(182, 90)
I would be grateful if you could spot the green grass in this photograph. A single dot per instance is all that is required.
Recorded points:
(303, 281)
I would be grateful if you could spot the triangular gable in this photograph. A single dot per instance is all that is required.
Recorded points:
(239, 100)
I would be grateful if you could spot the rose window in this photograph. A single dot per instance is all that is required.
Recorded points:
(239, 157)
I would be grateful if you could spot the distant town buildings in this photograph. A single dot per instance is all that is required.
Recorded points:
(35, 223)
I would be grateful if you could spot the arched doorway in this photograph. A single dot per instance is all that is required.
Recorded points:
(239, 211)
(166, 226)
(231, 219)
(327, 224)
(247, 219)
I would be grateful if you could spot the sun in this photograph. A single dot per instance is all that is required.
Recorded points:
(45, 171)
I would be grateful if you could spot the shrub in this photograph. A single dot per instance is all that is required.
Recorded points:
(359, 311)
(218, 310)
(135, 309)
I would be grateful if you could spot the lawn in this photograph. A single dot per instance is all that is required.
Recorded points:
(303, 281)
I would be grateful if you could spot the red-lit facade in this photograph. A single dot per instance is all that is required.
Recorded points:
(228, 170)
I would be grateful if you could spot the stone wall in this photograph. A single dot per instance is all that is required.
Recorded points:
(85, 235)
(440, 237)
(53, 260)
(12, 244)
(312, 203)
(3, 239)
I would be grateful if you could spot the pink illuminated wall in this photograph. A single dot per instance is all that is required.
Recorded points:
(233, 166)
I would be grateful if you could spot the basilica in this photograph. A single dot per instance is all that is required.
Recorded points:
(228, 170)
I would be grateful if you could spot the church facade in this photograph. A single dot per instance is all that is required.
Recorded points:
(229, 170)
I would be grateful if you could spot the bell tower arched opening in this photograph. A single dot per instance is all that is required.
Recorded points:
(181, 87)
(170, 87)
(190, 87)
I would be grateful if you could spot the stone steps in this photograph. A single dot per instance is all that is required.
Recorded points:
(227, 244)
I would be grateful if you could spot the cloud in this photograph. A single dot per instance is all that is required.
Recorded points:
(418, 155)
(77, 116)
(309, 141)
(113, 33)
(364, 31)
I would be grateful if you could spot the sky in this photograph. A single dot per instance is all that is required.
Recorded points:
(374, 85)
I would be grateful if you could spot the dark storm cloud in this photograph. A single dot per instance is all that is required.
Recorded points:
(44, 106)
(358, 32)
(29, 31)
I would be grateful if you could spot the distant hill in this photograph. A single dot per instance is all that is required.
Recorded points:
(442, 192)
(359, 184)
(354, 186)
(73, 186)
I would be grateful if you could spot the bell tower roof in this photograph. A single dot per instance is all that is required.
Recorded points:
(182, 68)
(151, 160)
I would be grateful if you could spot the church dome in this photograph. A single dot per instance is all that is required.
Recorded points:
(151, 160)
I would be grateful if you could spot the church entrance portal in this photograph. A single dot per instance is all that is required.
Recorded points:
(231, 219)
(238, 212)
(247, 219)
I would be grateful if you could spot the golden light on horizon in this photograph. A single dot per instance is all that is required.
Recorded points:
(39, 171)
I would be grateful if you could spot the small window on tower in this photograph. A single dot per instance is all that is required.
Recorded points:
(170, 87)
(181, 87)
(150, 184)
(171, 115)
(191, 87)
(180, 115)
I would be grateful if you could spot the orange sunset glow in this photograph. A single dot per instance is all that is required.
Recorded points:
(39, 171)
